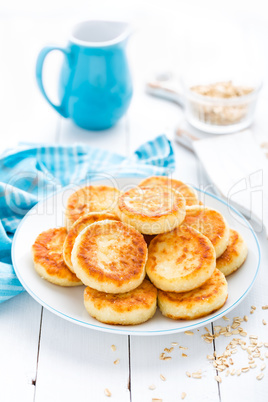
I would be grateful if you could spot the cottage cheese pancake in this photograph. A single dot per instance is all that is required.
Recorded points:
(211, 223)
(198, 302)
(152, 210)
(235, 254)
(77, 227)
(48, 259)
(180, 260)
(187, 191)
(110, 256)
(131, 308)
(90, 199)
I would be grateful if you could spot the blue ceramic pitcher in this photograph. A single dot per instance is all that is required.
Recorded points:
(95, 86)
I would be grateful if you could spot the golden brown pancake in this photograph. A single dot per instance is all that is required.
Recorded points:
(198, 302)
(77, 228)
(110, 256)
(235, 254)
(151, 210)
(180, 260)
(211, 223)
(187, 191)
(90, 199)
(131, 308)
(48, 259)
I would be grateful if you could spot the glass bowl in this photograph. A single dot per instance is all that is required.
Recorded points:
(220, 115)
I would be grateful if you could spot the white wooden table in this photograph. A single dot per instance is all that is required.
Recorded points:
(45, 358)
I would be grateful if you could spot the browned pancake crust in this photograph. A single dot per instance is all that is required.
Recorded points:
(141, 297)
(77, 227)
(186, 191)
(131, 253)
(231, 252)
(153, 202)
(189, 301)
(47, 252)
(207, 221)
(235, 254)
(91, 199)
(180, 260)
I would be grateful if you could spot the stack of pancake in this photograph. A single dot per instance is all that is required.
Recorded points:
(112, 239)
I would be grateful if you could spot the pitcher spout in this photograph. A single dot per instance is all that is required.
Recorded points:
(98, 33)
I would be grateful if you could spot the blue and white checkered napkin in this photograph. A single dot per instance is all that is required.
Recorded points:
(30, 173)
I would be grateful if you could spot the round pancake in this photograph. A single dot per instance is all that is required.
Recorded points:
(130, 308)
(110, 256)
(198, 302)
(180, 260)
(77, 227)
(48, 259)
(90, 199)
(187, 191)
(211, 223)
(235, 254)
(151, 210)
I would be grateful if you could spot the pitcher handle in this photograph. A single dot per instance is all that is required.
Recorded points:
(39, 75)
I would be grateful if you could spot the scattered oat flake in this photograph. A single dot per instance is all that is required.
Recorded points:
(167, 358)
(218, 378)
(263, 367)
(188, 332)
(245, 318)
(225, 318)
(152, 387)
(184, 355)
(168, 350)
(210, 357)
(264, 322)
(238, 372)
(183, 348)
(174, 343)
(260, 376)
(156, 400)
(265, 307)
(253, 307)
(113, 347)
(162, 377)
(266, 354)
(194, 375)
(183, 395)
(188, 374)
(107, 392)
(266, 344)
(116, 361)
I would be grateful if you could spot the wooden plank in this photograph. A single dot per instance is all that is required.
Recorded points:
(146, 368)
(75, 361)
(19, 329)
(246, 387)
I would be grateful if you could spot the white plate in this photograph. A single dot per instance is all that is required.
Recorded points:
(68, 302)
